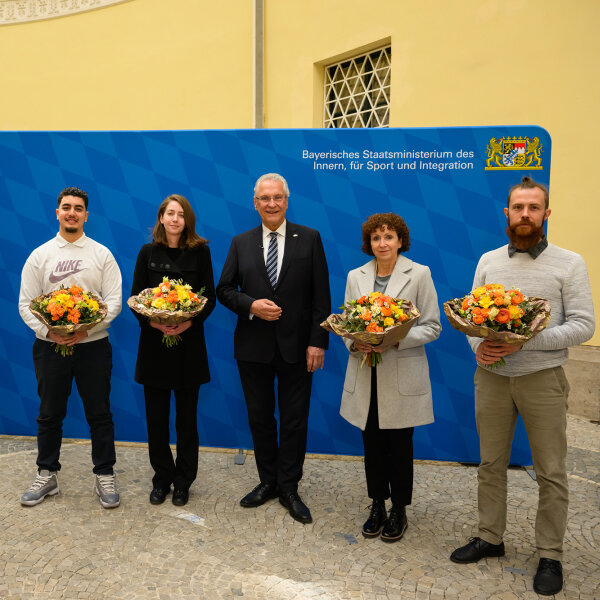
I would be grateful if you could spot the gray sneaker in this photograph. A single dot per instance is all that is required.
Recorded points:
(105, 487)
(45, 484)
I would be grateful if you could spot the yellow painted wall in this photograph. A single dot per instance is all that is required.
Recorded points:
(468, 62)
(158, 64)
(143, 64)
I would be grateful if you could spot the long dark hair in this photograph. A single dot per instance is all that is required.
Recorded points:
(189, 238)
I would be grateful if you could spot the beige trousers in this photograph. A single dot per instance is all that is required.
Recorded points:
(541, 400)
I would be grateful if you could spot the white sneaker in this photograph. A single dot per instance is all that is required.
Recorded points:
(105, 487)
(45, 484)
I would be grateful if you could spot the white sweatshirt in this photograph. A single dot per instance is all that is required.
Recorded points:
(85, 263)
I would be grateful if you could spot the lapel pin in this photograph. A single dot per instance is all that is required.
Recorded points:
(295, 235)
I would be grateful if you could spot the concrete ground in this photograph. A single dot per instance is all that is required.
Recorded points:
(70, 547)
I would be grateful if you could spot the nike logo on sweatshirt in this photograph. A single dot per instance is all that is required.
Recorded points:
(65, 268)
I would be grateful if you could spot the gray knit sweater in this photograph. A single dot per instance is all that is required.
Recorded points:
(561, 277)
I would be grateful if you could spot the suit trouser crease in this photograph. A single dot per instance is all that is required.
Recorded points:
(541, 400)
(90, 365)
(182, 470)
(278, 463)
(388, 457)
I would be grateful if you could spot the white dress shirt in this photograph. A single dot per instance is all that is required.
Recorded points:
(266, 239)
(280, 231)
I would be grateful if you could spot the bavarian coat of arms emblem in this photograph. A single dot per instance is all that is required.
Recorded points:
(514, 153)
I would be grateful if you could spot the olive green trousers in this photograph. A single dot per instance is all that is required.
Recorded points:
(541, 400)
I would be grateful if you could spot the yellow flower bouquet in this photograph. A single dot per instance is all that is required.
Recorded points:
(170, 303)
(374, 319)
(498, 314)
(67, 310)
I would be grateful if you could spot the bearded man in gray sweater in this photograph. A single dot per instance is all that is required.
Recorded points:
(532, 383)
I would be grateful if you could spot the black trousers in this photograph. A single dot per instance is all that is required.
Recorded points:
(90, 365)
(182, 471)
(279, 463)
(388, 457)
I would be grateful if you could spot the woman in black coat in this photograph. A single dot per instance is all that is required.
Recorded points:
(176, 252)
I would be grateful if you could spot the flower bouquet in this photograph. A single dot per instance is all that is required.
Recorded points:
(375, 319)
(67, 310)
(506, 316)
(171, 303)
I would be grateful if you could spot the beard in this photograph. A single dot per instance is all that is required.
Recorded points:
(529, 240)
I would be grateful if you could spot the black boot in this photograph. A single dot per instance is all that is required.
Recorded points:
(377, 516)
(395, 525)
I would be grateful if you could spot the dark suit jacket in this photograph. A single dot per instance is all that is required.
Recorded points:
(302, 292)
(184, 365)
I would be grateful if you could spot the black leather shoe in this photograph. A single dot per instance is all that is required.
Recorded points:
(395, 525)
(297, 509)
(259, 495)
(475, 550)
(180, 497)
(549, 577)
(374, 524)
(158, 495)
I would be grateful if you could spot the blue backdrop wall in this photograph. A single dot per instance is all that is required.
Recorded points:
(449, 184)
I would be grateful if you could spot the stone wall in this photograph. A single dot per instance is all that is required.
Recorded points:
(583, 373)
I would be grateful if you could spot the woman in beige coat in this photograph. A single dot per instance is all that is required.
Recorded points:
(386, 402)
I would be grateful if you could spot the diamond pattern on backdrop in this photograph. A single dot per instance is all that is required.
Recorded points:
(454, 216)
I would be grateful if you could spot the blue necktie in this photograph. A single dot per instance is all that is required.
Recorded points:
(272, 259)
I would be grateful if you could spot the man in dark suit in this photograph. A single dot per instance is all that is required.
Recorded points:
(275, 279)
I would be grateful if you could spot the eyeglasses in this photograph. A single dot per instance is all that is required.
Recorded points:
(276, 198)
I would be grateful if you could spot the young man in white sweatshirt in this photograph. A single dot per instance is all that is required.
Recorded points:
(71, 258)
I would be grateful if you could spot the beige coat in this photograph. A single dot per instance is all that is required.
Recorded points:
(403, 386)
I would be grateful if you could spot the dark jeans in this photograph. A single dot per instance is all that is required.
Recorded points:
(90, 365)
(182, 471)
(278, 463)
(388, 457)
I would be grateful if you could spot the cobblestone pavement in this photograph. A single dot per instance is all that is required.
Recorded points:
(70, 547)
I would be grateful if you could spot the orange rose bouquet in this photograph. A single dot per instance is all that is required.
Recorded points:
(492, 312)
(374, 319)
(67, 310)
(170, 303)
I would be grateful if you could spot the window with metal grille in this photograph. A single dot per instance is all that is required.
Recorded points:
(357, 91)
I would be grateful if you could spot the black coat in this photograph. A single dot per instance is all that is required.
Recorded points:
(302, 292)
(186, 364)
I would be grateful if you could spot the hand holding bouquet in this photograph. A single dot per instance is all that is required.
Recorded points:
(171, 303)
(376, 319)
(66, 311)
(493, 313)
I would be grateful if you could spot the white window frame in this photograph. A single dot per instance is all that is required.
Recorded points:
(357, 90)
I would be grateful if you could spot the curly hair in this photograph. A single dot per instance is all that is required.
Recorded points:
(391, 221)
(76, 192)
